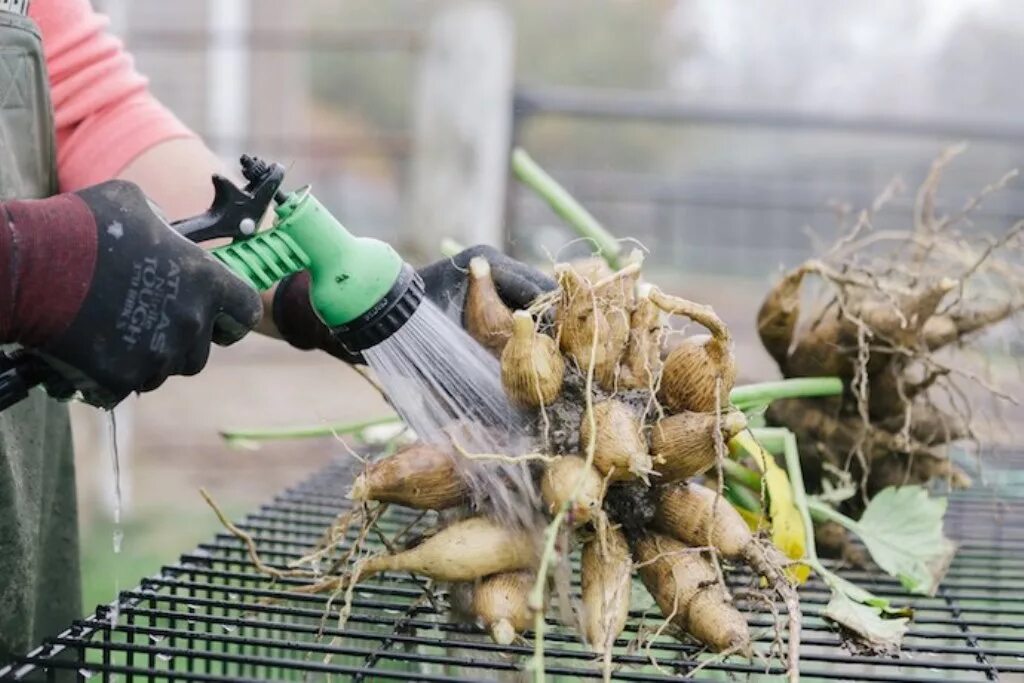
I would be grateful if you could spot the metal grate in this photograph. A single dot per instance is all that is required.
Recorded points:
(210, 616)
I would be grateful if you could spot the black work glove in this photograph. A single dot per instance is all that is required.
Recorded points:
(446, 282)
(111, 295)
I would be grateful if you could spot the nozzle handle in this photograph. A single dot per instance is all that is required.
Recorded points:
(265, 259)
(235, 212)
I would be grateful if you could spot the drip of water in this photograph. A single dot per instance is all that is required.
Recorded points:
(116, 462)
(446, 386)
(118, 535)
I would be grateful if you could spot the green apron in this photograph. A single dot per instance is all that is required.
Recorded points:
(39, 574)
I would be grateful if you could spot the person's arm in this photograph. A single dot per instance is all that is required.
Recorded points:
(109, 125)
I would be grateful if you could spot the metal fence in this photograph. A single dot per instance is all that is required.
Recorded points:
(740, 192)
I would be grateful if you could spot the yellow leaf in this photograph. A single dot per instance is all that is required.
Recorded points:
(787, 524)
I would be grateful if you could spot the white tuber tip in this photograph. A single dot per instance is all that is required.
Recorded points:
(360, 489)
(479, 267)
(502, 632)
(734, 422)
(522, 325)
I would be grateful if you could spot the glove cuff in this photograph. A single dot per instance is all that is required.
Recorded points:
(48, 251)
(299, 324)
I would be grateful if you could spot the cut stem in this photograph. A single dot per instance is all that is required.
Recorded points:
(772, 439)
(562, 203)
(450, 247)
(303, 432)
(753, 395)
(796, 482)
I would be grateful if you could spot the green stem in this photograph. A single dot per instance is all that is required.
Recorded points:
(772, 439)
(823, 511)
(562, 203)
(752, 395)
(742, 497)
(796, 482)
(303, 432)
(743, 475)
(536, 601)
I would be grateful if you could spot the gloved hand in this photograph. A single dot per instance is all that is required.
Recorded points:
(446, 282)
(110, 294)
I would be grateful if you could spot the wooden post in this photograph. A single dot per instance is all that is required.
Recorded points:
(462, 122)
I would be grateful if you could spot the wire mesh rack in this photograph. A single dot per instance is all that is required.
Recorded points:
(211, 617)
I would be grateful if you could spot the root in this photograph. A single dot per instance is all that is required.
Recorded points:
(699, 313)
(250, 545)
(501, 457)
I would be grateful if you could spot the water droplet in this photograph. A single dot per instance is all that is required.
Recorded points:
(192, 608)
(86, 673)
(115, 614)
(164, 657)
(118, 540)
(155, 638)
(315, 566)
(228, 628)
(232, 596)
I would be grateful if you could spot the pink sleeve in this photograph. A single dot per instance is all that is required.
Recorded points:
(104, 113)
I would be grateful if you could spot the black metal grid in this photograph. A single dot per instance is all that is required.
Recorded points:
(210, 616)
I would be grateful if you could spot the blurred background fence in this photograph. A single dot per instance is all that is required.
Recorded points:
(724, 136)
(722, 187)
(749, 190)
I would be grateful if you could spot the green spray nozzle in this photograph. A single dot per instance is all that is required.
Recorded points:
(360, 287)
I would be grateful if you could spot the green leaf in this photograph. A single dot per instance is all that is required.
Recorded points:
(902, 529)
(841, 586)
(872, 629)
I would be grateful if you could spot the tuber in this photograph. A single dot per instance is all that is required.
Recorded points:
(686, 587)
(684, 444)
(501, 603)
(699, 516)
(569, 474)
(532, 370)
(467, 550)
(606, 581)
(620, 451)
(487, 318)
(419, 476)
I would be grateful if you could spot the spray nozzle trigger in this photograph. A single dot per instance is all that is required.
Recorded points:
(236, 212)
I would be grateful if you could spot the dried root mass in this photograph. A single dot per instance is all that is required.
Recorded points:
(890, 310)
